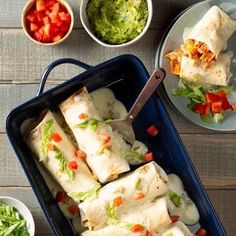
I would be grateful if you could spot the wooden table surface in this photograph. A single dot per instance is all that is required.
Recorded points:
(21, 64)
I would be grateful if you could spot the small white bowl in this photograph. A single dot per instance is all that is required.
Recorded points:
(29, 5)
(23, 210)
(85, 23)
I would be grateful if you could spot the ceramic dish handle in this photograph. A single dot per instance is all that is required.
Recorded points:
(57, 63)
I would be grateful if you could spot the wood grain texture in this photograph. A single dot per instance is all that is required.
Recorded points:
(163, 14)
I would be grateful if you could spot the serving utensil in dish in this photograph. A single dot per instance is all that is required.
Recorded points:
(172, 39)
(124, 125)
(125, 76)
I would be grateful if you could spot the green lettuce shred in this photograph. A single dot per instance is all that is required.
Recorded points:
(137, 184)
(93, 123)
(86, 196)
(134, 154)
(176, 199)
(47, 130)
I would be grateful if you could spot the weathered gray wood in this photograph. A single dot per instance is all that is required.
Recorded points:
(163, 14)
(213, 161)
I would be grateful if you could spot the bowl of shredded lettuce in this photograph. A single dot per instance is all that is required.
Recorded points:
(116, 23)
(15, 218)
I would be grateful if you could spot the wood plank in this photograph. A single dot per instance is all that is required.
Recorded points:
(163, 14)
(211, 155)
(23, 61)
(222, 201)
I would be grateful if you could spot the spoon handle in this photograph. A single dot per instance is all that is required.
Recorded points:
(155, 79)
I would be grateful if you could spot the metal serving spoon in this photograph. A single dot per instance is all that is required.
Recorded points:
(124, 125)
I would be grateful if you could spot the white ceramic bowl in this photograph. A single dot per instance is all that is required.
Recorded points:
(85, 23)
(29, 5)
(23, 210)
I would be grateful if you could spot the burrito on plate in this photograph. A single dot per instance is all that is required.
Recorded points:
(103, 146)
(124, 194)
(55, 151)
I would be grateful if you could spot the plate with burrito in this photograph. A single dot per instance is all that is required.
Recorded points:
(198, 53)
(88, 179)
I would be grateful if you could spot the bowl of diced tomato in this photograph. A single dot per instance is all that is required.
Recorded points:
(47, 22)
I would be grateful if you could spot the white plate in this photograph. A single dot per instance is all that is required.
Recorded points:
(174, 38)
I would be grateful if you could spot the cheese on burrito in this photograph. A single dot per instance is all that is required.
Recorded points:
(149, 217)
(55, 151)
(217, 74)
(124, 195)
(103, 146)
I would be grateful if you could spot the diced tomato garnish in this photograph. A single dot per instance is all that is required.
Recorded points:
(31, 16)
(83, 116)
(56, 137)
(201, 108)
(49, 3)
(138, 196)
(64, 27)
(233, 107)
(46, 20)
(117, 201)
(137, 228)
(40, 5)
(216, 107)
(212, 97)
(60, 196)
(40, 16)
(55, 8)
(223, 97)
(80, 154)
(54, 30)
(73, 165)
(148, 233)
(38, 36)
(148, 156)
(201, 232)
(152, 130)
(33, 27)
(73, 209)
(62, 15)
(174, 218)
(105, 138)
(56, 38)
(55, 19)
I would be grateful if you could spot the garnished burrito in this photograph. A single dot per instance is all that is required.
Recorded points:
(66, 164)
(103, 146)
(124, 195)
(149, 217)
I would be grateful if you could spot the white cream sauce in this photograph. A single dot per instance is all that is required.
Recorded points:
(187, 211)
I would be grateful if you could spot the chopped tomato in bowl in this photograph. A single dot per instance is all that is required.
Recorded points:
(47, 22)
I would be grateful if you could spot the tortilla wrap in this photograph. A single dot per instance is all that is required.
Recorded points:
(107, 160)
(134, 189)
(58, 156)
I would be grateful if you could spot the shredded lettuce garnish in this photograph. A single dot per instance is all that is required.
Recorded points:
(176, 199)
(134, 154)
(47, 130)
(86, 196)
(11, 222)
(137, 184)
(63, 163)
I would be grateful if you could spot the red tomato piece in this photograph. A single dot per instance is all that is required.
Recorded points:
(31, 16)
(152, 130)
(201, 108)
(40, 5)
(40, 16)
(73, 165)
(64, 27)
(137, 228)
(46, 39)
(105, 138)
(33, 27)
(56, 137)
(174, 218)
(138, 196)
(216, 107)
(62, 15)
(80, 154)
(117, 201)
(56, 19)
(38, 36)
(149, 156)
(212, 97)
(83, 116)
(233, 107)
(56, 8)
(148, 233)
(73, 209)
(57, 38)
(68, 18)
(223, 97)
(201, 232)
(46, 20)
(49, 3)
(60, 196)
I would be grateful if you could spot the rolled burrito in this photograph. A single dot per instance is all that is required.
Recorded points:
(103, 146)
(124, 195)
(149, 217)
(57, 154)
(217, 74)
(214, 29)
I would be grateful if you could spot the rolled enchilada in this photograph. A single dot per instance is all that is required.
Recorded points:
(55, 151)
(103, 146)
(120, 196)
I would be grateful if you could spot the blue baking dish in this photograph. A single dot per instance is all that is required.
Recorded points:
(126, 76)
